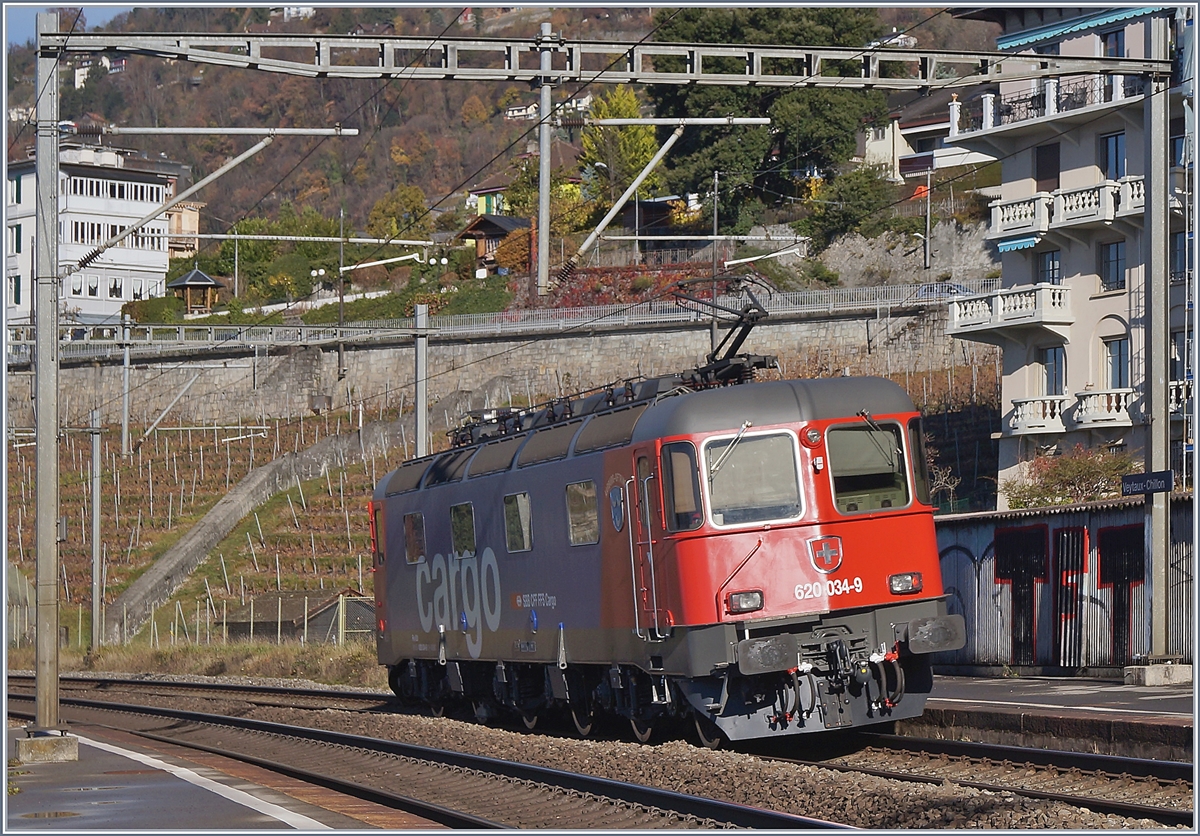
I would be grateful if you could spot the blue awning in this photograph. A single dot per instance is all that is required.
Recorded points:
(1017, 244)
(1067, 27)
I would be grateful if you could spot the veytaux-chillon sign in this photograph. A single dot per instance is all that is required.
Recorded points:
(1139, 483)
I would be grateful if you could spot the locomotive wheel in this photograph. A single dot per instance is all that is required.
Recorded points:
(710, 736)
(641, 729)
(583, 714)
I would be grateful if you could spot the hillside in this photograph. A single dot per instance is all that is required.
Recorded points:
(440, 136)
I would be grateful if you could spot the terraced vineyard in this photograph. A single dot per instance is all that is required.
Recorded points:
(313, 536)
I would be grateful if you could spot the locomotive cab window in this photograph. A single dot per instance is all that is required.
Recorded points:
(920, 461)
(414, 537)
(752, 478)
(462, 529)
(867, 466)
(517, 533)
(583, 518)
(681, 487)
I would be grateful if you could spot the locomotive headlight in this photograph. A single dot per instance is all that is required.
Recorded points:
(905, 583)
(748, 601)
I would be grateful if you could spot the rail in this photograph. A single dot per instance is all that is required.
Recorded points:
(96, 342)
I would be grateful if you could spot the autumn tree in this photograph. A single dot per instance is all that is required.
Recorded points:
(616, 155)
(474, 113)
(513, 251)
(401, 213)
(568, 211)
(1078, 476)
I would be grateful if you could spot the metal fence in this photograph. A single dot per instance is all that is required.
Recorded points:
(105, 342)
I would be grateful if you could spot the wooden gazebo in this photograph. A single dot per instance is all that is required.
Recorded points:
(197, 289)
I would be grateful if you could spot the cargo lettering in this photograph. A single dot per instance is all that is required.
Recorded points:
(453, 590)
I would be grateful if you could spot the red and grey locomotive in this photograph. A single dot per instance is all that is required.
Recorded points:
(760, 557)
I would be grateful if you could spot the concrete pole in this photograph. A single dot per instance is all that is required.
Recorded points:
(712, 327)
(341, 291)
(125, 390)
(421, 321)
(46, 380)
(96, 569)
(544, 133)
(1158, 334)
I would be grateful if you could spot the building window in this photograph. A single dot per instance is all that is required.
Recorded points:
(137, 288)
(1054, 363)
(1112, 156)
(1112, 265)
(14, 238)
(1049, 267)
(1116, 354)
(1178, 354)
(14, 290)
(1047, 167)
(1112, 45)
(116, 288)
(77, 285)
(1179, 256)
(14, 190)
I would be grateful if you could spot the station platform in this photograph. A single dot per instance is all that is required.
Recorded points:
(1084, 715)
(124, 783)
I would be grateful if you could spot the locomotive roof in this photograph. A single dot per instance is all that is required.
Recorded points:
(771, 402)
(706, 410)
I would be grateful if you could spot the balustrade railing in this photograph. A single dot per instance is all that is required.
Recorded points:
(1041, 414)
(1089, 204)
(1179, 397)
(1104, 406)
(1047, 303)
(1023, 215)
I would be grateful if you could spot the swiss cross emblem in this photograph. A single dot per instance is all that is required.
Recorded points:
(826, 553)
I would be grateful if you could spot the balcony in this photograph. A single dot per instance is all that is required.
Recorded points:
(1038, 415)
(1179, 398)
(1131, 199)
(1031, 307)
(1024, 216)
(1089, 206)
(1103, 408)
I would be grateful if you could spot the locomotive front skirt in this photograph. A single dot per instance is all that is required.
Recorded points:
(760, 558)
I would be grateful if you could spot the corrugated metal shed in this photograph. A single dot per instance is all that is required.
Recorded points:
(1064, 588)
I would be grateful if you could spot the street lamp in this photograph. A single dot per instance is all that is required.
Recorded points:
(318, 274)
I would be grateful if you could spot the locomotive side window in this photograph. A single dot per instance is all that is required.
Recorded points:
(681, 487)
(517, 533)
(916, 444)
(752, 478)
(582, 515)
(462, 529)
(867, 465)
(414, 537)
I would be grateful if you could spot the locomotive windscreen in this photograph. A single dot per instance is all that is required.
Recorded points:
(867, 465)
(753, 479)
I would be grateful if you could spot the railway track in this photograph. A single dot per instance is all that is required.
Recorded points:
(1137, 788)
(1140, 789)
(453, 788)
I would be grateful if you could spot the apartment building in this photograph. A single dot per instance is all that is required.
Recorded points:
(1070, 227)
(101, 191)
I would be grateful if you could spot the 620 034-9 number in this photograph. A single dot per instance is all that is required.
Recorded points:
(828, 588)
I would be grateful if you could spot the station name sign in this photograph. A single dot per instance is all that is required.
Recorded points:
(1140, 483)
